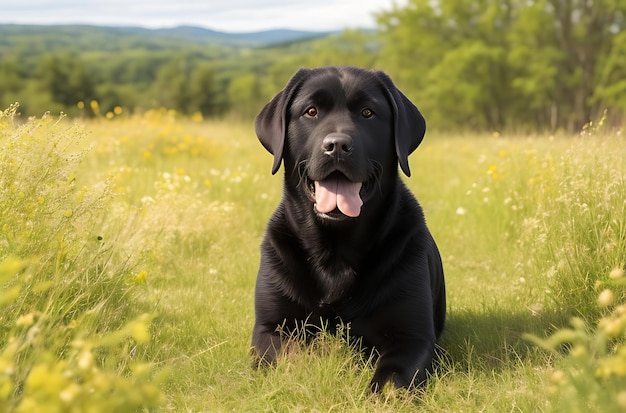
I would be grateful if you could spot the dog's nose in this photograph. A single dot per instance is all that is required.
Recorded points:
(337, 144)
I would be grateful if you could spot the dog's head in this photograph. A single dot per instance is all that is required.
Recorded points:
(338, 131)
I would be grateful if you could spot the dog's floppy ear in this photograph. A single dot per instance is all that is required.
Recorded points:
(408, 123)
(271, 123)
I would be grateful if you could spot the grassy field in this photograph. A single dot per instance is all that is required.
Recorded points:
(129, 249)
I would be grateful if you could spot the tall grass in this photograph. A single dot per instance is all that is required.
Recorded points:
(69, 328)
(129, 250)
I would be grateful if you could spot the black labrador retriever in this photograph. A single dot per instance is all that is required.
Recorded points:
(348, 243)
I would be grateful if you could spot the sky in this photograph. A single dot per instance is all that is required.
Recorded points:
(222, 15)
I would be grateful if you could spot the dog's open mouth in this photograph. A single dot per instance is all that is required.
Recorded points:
(336, 196)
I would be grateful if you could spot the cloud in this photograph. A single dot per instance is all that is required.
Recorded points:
(228, 15)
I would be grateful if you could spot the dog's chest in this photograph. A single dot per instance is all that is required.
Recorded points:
(335, 273)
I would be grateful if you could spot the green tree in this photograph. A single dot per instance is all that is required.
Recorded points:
(351, 47)
(203, 90)
(244, 95)
(172, 85)
(560, 48)
(140, 67)
(535, 57)
(449, 58)
(187, 85)
(611, 89)
(67, 79)
(10, 82)
(543, 64)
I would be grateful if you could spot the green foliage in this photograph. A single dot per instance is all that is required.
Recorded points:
(536, 66)
(67, 284)
(10, 81)
(611, 84)
(351, 47)
(540, 65)
(449, 57)
(187, 84)
(246, 91)
(592, 376)
(140, 70)
(67, 79)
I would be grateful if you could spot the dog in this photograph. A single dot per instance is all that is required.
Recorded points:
(348, 243)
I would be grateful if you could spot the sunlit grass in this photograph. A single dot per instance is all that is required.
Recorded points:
(69, 324)
(153, 220)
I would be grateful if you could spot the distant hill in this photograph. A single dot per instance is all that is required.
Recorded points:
(99, 37)
(189, 69)
(261, 38)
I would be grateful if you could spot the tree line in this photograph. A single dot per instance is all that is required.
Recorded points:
(532, 64)
(523, 65)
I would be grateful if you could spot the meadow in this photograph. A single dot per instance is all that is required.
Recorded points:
(129, 246)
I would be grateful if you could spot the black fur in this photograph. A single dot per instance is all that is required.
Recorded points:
(380, 271)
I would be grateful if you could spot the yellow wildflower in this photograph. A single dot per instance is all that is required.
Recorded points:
(617, 273)
(606, 298)
(85, 360)
(25, 320)
(141, 277)
(139, 332)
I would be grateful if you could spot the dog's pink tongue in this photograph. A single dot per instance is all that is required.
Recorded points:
(338, 193)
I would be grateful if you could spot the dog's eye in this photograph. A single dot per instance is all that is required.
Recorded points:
(367, 113)
(311, 112)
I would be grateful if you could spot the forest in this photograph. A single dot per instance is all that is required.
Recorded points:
(526, 66)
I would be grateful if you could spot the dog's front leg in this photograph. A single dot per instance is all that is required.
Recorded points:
(266, 345)
(404, 363)
(276, 318)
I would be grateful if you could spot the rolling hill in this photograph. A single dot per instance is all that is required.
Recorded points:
(108, 38)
